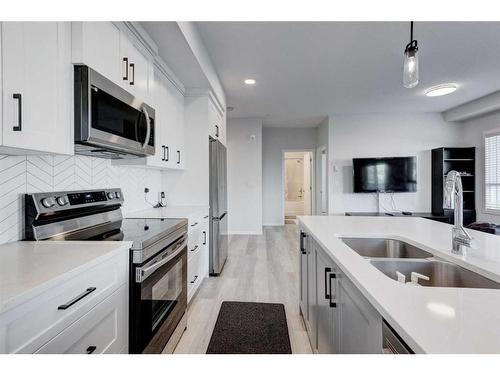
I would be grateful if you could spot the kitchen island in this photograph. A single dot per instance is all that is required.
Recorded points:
(427, 319)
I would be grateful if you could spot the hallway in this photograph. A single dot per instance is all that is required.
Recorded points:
(258, 269)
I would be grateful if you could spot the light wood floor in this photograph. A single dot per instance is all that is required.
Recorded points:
(258, 269)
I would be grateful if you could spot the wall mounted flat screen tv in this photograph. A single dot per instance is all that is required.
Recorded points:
(385, 175)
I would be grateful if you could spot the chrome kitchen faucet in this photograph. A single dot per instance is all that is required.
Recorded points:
(453, 199)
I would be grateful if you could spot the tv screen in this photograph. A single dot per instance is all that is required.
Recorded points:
(385, 175)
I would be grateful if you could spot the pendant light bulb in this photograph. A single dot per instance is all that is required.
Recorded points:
(410, 67)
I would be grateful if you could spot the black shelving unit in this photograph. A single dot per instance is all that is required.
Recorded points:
(462, 160)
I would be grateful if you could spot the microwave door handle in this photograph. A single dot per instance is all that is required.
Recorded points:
(148, 130)
(142, 274)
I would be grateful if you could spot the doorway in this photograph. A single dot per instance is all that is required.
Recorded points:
(298, 180)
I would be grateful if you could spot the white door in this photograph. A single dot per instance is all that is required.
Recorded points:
(307, 183)
(37, 86)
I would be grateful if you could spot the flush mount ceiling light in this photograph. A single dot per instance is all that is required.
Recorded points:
(249, 81)
(441, 90)
(410, 68)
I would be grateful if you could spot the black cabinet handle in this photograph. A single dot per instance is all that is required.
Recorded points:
(204, 237)
(168, 153)
(192, 281)
(164, 152)
(332, 303)
(19, 125)
(194, 224)
(91, 349)
(216, 130)
(302, 249)
(327, 271)
(194, 248)
(132, 66)
(178, 157)
(205, 217)
(76, 299)
(125, 60)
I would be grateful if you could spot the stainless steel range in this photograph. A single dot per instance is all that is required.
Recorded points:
(158, 257)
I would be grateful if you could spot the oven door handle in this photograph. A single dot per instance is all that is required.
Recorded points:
(142, 274)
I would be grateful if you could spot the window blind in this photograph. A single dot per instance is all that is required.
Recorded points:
(492, 172)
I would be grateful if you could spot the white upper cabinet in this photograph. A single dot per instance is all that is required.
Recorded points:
(37, 87)
(97, 44)
(216, 122)
(112, 52)
(137, 72)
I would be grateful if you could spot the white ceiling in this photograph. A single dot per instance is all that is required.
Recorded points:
(306, 70)
(174, 50)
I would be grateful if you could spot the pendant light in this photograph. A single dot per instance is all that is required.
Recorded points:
(410, 71)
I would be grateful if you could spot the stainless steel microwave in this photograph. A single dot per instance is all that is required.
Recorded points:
(109, 121)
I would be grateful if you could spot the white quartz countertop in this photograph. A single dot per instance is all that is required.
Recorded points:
(429, 319)
(29, 268)
(173, 212)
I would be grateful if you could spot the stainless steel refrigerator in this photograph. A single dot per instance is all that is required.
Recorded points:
(218, 207)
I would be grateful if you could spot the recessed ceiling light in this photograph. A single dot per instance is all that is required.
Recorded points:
(441, 90)
(249, 81)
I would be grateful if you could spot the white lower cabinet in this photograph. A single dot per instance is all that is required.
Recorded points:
(104, 329)
(80, 304)
(339, 319)
(197, 252)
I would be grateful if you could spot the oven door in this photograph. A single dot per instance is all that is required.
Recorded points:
(158, 298)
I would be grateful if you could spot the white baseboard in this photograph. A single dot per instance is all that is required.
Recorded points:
(245, 233)
(273, 224)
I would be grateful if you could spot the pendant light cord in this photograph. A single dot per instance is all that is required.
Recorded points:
(411, 31)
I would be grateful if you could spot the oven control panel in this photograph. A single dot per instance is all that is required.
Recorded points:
(87, 197)
(50, 202)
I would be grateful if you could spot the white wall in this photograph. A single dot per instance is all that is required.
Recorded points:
(274, 142)
(324, 138)
(244, 176)
(388, 135)
(474, 133)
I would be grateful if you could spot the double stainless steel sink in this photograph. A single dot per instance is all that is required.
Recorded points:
(390, 255)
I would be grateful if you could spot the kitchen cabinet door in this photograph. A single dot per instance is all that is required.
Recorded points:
(359, 324)
(303, 275)
(37, 78)
(97, 45)
(312, 301)
(326, 312)
(138, 67)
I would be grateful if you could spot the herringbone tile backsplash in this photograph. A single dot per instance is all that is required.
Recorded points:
(27, 174)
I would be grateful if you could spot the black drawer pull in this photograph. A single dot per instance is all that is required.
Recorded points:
(125, 77)
(168, 153)
(192, 281)
(76, 299)
(91, 349)
(19, 125)
(327, 295)
(194, 224)
(332, 302)
(204, 237)
(194, 248)
(178, 157)
(216, 131)
(132, 66)
(164, 153)
(302, 248)
(205, 217)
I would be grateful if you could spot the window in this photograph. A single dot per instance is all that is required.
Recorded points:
(492, 172)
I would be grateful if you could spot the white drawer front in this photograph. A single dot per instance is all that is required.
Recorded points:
(194, 243)
(104, 329)
(27, 327)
